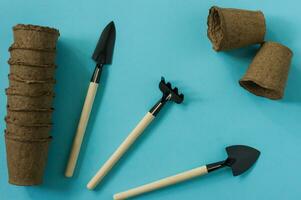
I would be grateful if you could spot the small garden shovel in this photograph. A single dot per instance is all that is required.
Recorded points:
(102, 55)
(240, 159)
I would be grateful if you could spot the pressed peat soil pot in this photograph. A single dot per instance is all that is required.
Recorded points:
(37, 131)
(36, 37)
(14, 91)
(32, 56)
(30, 87)
(15, 62)
(267, 74)
(230, 28)
(33, 72)
(29, 116)
(29, 99)
(26, 159)
(22, 102)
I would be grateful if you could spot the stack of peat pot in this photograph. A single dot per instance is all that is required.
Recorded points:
(29, 102)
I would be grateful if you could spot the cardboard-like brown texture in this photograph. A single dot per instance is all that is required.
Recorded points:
(36, 37)
(30, 87)
(230, 28)
(29, 99)
(14, 91)
(14, 62)
(32, 56)
(267, 74)
(32, 72)
(26, 160)
(29, 116)
(37, 131)
(21, 102)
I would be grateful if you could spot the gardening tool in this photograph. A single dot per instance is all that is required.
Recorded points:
(169, 94)
(102, 55)
(240, 159)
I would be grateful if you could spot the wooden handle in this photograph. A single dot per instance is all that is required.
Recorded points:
(81, 128)
(120, 150)
(162, 183)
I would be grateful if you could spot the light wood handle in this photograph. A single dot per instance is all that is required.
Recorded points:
(120, 150)
(162, 183)
(81, 128)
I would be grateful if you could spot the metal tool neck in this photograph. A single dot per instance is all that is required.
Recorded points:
(215, 166)
(159, 105)
(97, 73)
(218, 165)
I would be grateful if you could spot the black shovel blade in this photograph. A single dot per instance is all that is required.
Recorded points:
(103, 52)
(167, 90)
(241, 158)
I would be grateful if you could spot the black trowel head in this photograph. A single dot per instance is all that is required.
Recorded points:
(241, 158)
(168, 92)
(103, 52)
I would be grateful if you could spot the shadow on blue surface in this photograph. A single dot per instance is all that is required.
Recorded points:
(71, 76)
(245, 55)
(286, 35)
(224, 174)
(92, 120)
(130, 153)
(293, 92)
(274, 33)
(238, 60)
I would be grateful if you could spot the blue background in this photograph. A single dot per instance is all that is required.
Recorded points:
(154, 38)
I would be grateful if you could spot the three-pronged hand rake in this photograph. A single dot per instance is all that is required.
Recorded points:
(169, 94)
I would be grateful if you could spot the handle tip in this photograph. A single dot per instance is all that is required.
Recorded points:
(90, 186)
(68, 174)
(116, 197)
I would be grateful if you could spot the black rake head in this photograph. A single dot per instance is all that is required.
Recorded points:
(169, 93)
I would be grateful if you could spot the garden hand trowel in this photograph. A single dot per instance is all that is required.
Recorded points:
(102, 55)
(240, 159)
(169, 94)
